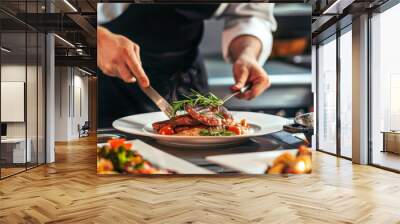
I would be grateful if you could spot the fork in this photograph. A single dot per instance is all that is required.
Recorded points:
(240, 91)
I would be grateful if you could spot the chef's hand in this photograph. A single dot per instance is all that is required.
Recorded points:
(244, 51)
(119, 57)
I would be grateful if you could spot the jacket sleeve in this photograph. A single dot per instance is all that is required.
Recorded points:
(254, 19)
(107, 12)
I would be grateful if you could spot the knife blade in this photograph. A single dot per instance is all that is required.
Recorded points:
(161, 103)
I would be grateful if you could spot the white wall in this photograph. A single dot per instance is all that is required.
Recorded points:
(61, 104)
(71, 94)
(80, 111)
(33, 127)
(14, 73)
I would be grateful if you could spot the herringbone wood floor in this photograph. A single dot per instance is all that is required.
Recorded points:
(70, 192)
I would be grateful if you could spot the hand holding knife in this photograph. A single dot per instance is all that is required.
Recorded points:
(161, 103)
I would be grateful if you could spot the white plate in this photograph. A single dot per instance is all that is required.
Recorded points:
(250, 163)
(140, 124)
(164, 160)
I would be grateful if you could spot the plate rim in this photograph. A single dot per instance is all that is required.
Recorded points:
(143, 132)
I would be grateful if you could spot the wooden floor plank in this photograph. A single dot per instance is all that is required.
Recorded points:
(69, 191)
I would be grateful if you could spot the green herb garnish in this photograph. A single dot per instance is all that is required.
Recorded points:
(220, 115)
(207, 132)
(197, 99)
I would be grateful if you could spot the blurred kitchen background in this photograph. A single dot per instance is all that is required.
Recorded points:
(289, 65)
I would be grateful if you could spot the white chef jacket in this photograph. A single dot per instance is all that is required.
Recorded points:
(254, 19)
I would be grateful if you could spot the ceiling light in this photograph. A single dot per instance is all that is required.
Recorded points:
(65, 41)
(331, 7)
(5, 50)
(80, 51)
(337, 7)
(70, 5)
(84, 71)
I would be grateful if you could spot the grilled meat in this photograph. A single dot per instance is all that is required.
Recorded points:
(210, 116)
(181, 120)
(179, 129)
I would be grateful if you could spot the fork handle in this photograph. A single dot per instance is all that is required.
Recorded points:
(240, 91)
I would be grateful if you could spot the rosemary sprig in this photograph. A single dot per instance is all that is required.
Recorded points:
(197, 99)
(220, 115)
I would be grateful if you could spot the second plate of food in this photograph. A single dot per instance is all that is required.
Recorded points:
(259, 124)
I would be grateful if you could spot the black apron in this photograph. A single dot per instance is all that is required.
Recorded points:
(168, 36)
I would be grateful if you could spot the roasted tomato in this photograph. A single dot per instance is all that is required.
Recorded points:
(235, 129)
(115, 143)
(167, 130)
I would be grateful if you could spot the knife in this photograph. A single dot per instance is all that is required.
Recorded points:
(161, 103)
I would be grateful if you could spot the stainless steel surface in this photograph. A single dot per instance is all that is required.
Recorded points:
(240, 91)
(161, 103)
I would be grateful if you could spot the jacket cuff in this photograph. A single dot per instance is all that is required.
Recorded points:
(250, 26)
